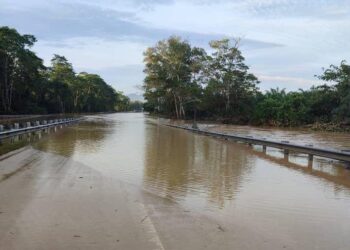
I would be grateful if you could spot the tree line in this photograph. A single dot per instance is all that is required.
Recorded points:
(183, 81)
(27, 86)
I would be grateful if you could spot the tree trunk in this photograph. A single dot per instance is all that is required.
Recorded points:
(176, 109)
(75, 102)
(2, 79)
(182, 110)
(7, 87)
(227, 106)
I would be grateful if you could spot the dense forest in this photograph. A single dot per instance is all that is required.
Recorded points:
(28, 87)
(183, 81)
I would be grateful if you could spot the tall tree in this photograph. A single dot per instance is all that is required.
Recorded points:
(228, 79)
(340, 75)
(171, 82)
(94, 94)
(26, 86)
(62, 77)
(19, 68)
(61, 70)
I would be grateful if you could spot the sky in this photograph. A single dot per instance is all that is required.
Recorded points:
(285, 42)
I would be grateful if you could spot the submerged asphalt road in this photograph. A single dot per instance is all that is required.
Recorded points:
(122, 181)
(52, 202)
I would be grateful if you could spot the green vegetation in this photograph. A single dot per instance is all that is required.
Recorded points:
(27, 86)
(181, 81)
(184, 81)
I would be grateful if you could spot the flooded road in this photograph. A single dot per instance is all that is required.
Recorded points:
(320, 139)
(195, 192)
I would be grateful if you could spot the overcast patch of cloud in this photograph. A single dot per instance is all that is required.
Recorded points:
(289, 83)
(63, 21)
(290, 40)
(125, 77)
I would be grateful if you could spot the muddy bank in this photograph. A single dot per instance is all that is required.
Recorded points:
(302, 136)
(340, 127)
(329, 127)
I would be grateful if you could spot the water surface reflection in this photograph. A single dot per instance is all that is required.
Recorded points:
(86, 138)
(227, 181)
(179, 164)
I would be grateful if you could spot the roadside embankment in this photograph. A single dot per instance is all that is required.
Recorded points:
(302, 136)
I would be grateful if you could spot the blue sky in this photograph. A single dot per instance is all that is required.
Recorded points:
(285, 42)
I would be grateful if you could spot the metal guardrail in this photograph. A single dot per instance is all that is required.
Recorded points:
(35, 126)
(284, 145)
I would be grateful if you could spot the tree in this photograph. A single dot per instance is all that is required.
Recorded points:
(122, 103)
(19, 69)
(171, 83)
(228, 80)
(94, 94)
(63, 79)
(341, 77)
(324, 101)
(61, 70)
(26, 86)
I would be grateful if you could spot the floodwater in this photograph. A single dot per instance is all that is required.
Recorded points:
(320, 139)
(236, 186)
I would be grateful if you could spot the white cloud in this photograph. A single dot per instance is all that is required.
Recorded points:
(94, 53)
(289, 83)
(102, 35)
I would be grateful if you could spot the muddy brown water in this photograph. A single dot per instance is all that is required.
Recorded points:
(305, 206)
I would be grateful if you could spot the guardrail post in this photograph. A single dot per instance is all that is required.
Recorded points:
(286, 154)
(16, 126)
(28, 124)
(310, 157)
(44, 122)
(347, 165)
(310, 160)
(264, 148)
(37, 123)
(1, 128)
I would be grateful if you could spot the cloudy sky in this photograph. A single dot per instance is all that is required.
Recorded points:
(285, 42)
